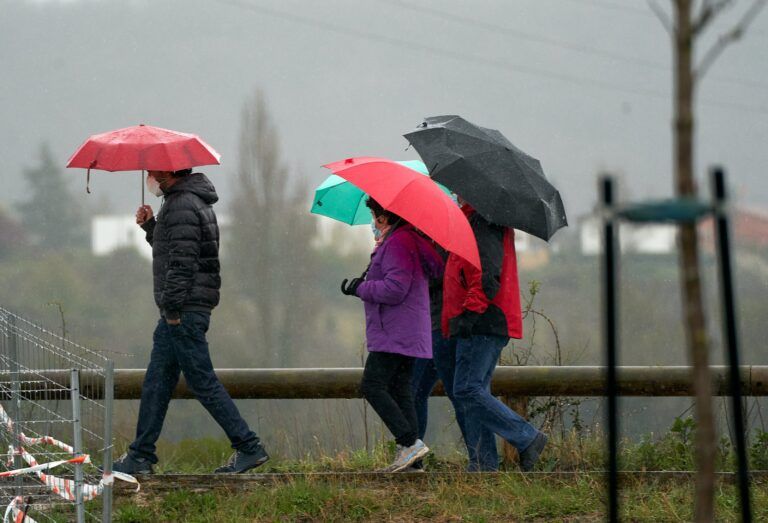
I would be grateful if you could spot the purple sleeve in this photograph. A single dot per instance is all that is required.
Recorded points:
(397, 265)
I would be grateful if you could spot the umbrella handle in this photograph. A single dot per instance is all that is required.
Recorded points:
(88, 177)
(142, 187)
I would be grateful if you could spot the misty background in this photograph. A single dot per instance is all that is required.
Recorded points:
(583, 85)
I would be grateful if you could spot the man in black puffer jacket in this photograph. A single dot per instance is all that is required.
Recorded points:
(185, 265)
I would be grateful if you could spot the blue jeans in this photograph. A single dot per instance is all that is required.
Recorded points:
(476, 359)
(482, 452)
(183, 348)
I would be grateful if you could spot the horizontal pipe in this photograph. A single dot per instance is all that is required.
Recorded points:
(345, 382)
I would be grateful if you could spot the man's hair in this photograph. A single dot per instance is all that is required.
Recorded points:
(378, 211)
(183, 172)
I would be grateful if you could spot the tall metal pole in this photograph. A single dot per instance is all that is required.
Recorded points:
(610, 339)
(730, 330)
(13, 355)
(109, 393)
(78, 443)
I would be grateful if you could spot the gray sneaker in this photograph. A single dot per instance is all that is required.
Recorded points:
(531, 455)
(241, 462)
(406, 456)
(129, 464)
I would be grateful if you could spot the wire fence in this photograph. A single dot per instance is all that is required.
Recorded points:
(49, 424)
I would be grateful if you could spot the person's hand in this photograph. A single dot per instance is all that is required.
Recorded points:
(177, 321)
(350, 289)
(144, 214)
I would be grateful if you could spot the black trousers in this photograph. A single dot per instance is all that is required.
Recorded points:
(387, 387)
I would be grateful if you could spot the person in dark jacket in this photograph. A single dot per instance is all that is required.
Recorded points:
(185, 266)
(481, 311)
(395, 295)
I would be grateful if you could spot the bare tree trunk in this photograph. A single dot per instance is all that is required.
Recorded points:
(693, 309)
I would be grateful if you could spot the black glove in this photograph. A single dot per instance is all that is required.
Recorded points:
(462, 325)
(350, 289)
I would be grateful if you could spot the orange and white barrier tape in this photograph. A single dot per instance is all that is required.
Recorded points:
(35, 467)
(60, 486)
(6, 420)
(16, 512)
(66, 487)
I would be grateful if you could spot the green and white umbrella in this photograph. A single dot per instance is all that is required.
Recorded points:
(338, 199)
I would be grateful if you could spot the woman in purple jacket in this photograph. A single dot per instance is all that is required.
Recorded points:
(395, 294)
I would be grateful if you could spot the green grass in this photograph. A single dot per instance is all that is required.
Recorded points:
(509, 497)
(576, 451)
(453, 497)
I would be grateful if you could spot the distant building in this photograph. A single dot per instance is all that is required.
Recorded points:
(749, 228)
(652, 239)
(531, 251)
(112, 232)
(345, 239)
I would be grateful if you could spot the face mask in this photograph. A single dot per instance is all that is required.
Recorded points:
(375, 231)
(153, 186)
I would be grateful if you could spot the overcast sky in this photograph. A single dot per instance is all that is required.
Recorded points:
(583, 85)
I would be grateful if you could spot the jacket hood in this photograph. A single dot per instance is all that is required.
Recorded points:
(199, 185)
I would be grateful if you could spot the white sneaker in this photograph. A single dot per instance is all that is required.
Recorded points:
(407, 455)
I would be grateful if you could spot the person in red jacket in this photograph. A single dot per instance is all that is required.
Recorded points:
(481, 312)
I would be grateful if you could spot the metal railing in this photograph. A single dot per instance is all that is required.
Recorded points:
(330, 383)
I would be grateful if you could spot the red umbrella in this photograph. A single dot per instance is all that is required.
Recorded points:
(143, 147)
(416, 198)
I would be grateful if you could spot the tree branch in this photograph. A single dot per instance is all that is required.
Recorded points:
(727, 38)
(662, 16)
(709, 10)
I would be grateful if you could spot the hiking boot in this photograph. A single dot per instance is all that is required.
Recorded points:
(241, 462)
(128, 464)
(406, 456)
(531, 455)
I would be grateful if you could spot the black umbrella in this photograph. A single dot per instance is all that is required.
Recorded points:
(502, 183)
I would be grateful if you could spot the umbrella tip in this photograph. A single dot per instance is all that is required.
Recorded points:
(141, 125)
(349, 160)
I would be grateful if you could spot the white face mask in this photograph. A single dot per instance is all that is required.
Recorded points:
(153, 186)
(376, 232)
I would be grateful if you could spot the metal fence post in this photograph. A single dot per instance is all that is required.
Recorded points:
(109, 393)
(730, 330)
(610, 339)
(13, 355)
(77, 426)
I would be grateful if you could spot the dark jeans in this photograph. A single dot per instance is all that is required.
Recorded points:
(387, 387)
(476, 359)
(183, 348)
(481, 449)
(424, 380)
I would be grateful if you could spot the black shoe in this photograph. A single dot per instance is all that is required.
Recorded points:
(530, 456)
(128, 464)
(243, 462)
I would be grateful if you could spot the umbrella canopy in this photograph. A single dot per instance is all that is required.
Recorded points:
(504, 184)
(338, 199)
(143, 147)
(415, 198)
